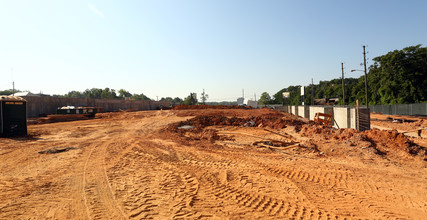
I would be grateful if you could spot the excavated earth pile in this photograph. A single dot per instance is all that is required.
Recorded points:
(211, 163)
(186, 107)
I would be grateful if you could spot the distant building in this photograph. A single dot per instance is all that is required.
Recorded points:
(240, 101)
(253, 104)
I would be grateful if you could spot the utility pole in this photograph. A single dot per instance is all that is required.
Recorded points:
(13, 84)
(343, 90)
(366, 76)
(312, 92)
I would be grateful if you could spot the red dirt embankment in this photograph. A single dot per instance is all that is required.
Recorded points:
(199, 107)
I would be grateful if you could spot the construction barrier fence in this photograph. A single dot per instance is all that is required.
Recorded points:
(401, 109)
(343, 116)
(44, 105)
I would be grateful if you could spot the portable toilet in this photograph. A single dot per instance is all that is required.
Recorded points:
(13, 116)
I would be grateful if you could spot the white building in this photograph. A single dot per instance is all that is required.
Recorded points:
(253, 104)
(240, 101)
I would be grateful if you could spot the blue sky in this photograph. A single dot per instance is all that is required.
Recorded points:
(171, 48)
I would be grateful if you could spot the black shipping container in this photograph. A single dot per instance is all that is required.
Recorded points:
(13, 116)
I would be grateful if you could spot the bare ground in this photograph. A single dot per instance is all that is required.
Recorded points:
(223, 164)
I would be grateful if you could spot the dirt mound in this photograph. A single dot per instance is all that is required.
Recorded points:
(381, 141)
(202, 121)
(394, 140)
(186, 107)
(241, 113)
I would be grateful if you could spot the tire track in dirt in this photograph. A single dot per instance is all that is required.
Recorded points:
(164, 189)
(132, 188)
(256, 203)
(257, 200)
(214, 193)
(338, 188)
(341, 185)
(176, 188)
(99, 200)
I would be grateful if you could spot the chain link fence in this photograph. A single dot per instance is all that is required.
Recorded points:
(401, 109)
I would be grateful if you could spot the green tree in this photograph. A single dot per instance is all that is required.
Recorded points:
(295, 95)
(178, 101)
(265, 99)
(175, 101)
(94, 93)
(108, 93)
(204, 97)
(399, 77)
(75, 94)
(278, 97)
(139, 97)
(123, 94)
(8, 92)
(191, 99)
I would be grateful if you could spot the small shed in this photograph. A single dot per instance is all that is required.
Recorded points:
(13, 116)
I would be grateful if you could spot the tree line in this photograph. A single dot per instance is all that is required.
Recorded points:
(106, 93)
(398, 77)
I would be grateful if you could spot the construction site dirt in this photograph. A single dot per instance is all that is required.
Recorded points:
(214, 164)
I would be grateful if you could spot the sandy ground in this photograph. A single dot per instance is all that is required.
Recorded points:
(251, 164)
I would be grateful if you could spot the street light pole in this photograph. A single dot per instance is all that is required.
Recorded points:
(366, 77)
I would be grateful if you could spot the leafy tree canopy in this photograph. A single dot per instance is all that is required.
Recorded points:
(265, 99)
(8, 92)
(191, 99)
(106, 93)
(397, 77)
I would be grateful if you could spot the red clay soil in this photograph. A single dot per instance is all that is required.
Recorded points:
(380, 141)
(186, 107)
(234, 164)
(241, 113)
(201, 122)
(399, 122)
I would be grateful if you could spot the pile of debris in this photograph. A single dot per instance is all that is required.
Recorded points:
(202, 121)
(382, 141)
(184, 107)
(379, 142)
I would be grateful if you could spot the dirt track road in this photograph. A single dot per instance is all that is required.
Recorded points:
(130, 166)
